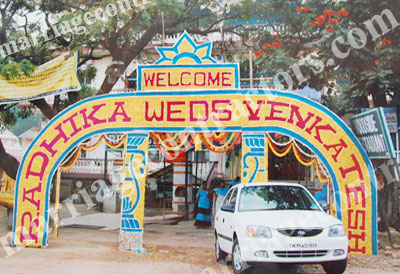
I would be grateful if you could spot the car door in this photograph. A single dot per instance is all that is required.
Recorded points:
(225, 221)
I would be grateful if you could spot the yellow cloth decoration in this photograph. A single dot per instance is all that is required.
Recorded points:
(198, 143)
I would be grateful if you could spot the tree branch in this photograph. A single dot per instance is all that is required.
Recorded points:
(45, 108)
(8, 163)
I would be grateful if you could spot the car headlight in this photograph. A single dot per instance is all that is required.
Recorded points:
(337, 231)
(254, 231)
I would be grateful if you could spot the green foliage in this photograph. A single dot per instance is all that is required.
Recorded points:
(10, 115)
(89, 73)
(372, 70)
(12, 69)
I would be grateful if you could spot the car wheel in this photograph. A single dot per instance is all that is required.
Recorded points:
(219, 254)
(239, 266)
(335, 267)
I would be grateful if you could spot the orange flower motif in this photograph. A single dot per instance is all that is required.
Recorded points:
(330, 29)
(389, 42)
(376, 62)
(345, 13)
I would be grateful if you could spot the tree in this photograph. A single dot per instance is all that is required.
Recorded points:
(10, 68)
(303, 49)
(122, 28)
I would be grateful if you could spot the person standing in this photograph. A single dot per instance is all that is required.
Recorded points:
(203, 217)
(236, 181)
(221, 192)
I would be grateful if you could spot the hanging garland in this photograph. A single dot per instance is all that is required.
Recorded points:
(172, 143)
(219, 136)
(69, 163)
(298, 153)
(232, 139)
(321, 177)
(173, 146)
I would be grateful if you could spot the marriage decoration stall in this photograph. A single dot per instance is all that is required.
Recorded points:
(187, 99)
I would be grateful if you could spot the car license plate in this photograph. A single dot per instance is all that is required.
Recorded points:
(303, 245)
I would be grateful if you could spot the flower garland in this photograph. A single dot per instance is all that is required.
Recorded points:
(173, 146)
(69, 163)
(298, 153)
(232, 139)
(219, 136)
(174, 143)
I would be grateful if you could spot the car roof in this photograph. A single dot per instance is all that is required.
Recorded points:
(272, 183)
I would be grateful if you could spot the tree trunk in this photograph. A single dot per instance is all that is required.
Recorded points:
(389, 198)
(392, 210)
(129, 55)
(45, 108)
(8, 163)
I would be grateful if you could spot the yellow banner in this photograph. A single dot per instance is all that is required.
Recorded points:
(54, 77)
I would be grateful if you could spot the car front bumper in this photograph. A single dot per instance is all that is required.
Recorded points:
(294, 249)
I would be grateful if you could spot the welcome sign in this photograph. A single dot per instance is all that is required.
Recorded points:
(187, 66)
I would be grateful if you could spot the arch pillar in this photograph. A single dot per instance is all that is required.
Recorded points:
(133, 191)
(254, 158)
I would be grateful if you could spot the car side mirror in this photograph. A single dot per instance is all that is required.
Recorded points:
(227, 207)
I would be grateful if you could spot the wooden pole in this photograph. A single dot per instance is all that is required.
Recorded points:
(164, 175)
(163, 28)
(251, 67)
(57, 203)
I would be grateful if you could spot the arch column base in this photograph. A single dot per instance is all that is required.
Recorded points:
(130, 240)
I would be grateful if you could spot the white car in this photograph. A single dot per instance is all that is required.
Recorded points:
(278, 223)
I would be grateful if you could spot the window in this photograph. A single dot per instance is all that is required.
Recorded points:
(202, 156)
(233, 198)
(255, 198)
(154, 155)
(230, 198)
(227, 197)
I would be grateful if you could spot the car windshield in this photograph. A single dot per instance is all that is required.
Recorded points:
(275, 197)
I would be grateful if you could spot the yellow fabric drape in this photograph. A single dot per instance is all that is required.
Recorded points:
(306, 162)
(91, 148)
(7, 191)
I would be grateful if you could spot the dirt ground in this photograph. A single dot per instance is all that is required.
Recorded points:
(170, 249)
